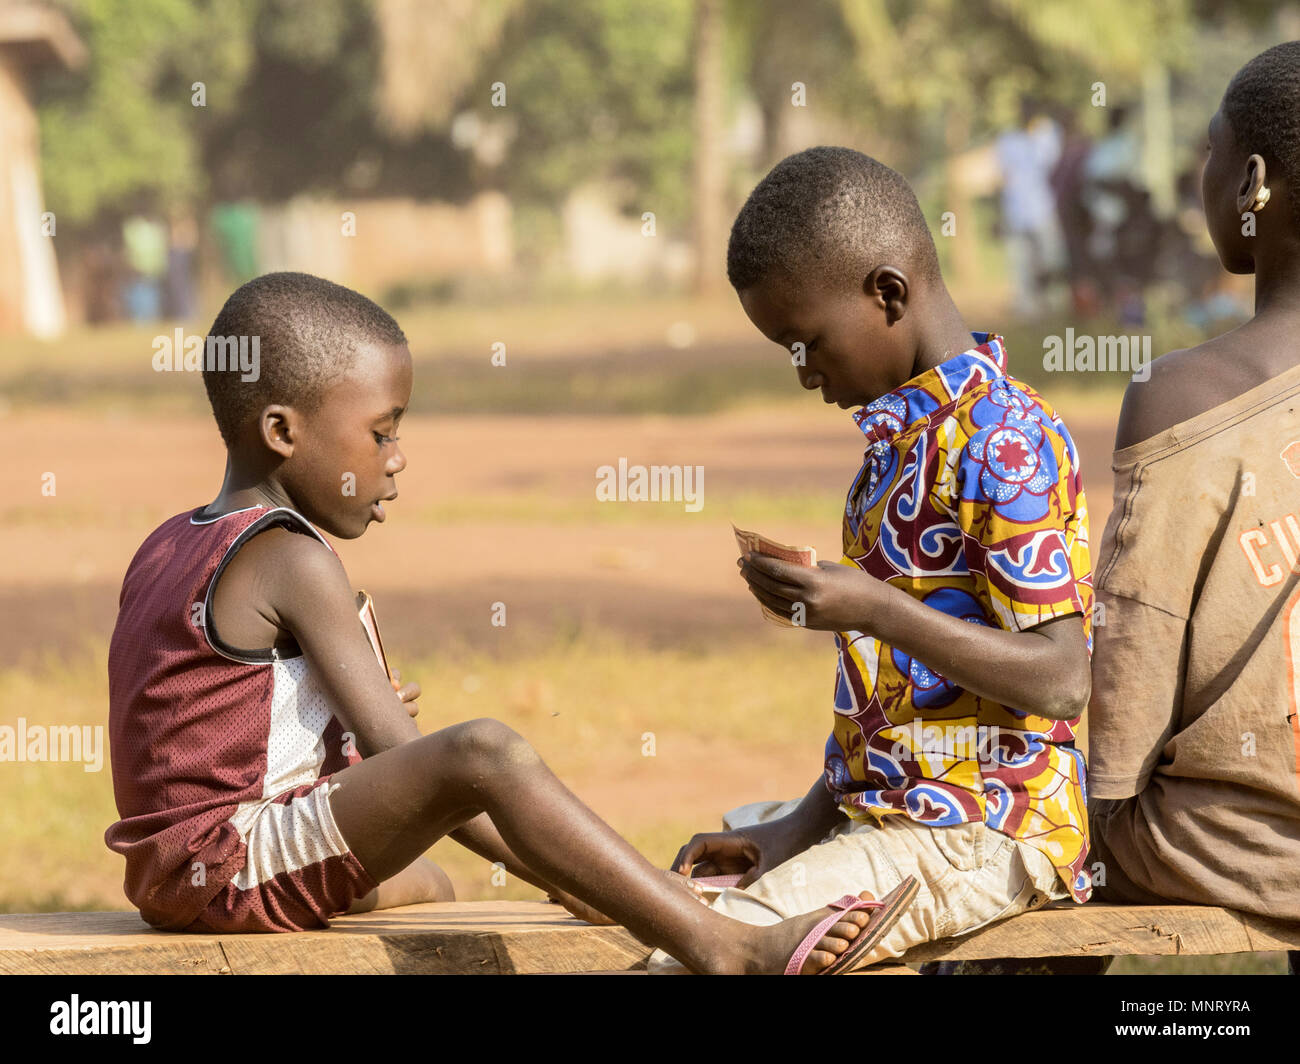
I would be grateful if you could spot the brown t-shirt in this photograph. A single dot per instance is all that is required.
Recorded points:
(1196, 662)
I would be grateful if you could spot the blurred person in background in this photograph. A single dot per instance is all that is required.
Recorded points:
(182, 253)
(145, 241)
(1067, 181)
(1026, 158)
(1122, 224)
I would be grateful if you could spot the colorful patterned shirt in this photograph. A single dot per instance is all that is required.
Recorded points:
(970, 500)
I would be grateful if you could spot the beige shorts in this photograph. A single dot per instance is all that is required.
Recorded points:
(970, 876)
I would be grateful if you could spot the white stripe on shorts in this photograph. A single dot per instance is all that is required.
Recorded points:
(286, 837)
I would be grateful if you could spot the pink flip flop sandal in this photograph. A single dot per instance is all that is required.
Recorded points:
(715, 884)
(888, 910)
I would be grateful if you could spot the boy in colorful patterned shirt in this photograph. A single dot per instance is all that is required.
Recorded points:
(962, 604)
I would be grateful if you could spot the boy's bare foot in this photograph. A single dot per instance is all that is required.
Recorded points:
(771, 947)
(587, 914)
(776, 944)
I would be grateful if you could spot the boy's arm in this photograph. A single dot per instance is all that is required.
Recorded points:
(307, 593)
(1043, 670)
(755, 850)
(1041, 667)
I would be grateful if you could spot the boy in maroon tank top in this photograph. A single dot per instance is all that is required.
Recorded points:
(267, 776)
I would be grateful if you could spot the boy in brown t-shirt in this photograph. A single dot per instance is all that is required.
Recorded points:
(1194, 721)
(1196, 673)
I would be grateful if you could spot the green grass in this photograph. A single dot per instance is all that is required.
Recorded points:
(615, 381)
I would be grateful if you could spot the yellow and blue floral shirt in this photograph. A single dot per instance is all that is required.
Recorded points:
(969, 499)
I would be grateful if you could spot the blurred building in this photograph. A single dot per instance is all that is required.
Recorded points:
(376, 244)
(33, 36)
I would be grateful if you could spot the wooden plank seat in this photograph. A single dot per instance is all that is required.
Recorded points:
(453, 938)
(535, 938)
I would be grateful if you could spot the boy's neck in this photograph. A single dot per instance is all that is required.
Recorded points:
(241, 491)
(942, 334)
(1277, 281)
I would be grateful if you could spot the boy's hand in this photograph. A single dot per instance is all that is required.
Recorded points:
(835, 598)
(408, 693)
(750, 852)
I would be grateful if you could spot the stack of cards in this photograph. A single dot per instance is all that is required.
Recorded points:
(754, 543)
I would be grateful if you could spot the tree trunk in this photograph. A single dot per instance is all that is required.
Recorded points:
(710, 264)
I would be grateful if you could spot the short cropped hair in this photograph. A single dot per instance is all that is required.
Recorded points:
(1262, 105)
(829, 216)
(308, 331)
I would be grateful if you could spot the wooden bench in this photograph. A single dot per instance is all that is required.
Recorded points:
(534, 938)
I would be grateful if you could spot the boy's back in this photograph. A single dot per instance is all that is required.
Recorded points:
(203, 735)
(1197, 674)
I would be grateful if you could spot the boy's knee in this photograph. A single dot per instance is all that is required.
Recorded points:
(490, 743)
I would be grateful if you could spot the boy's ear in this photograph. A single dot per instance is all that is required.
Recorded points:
(1253, 180)
(278, 426)
(888, 287)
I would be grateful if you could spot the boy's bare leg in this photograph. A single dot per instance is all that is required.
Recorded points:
(418, 882)
(393, 806)
(481, 836)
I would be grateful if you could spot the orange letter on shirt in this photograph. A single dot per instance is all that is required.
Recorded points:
(1250, 540)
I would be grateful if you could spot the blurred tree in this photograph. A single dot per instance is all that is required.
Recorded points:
(431, 54)
(125, 127)
(966, 63)
(776, 45)
(311, 116)
(290, 104)
(708, 149)
(388, 96)
(595, 90)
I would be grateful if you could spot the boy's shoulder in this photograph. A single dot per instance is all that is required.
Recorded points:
(270, 546)
(278, 577)
(171, 541)
(1006, 403)
(291, 549)
(1010, 450)
(257, 541)
(1188, 382)
(197, 523)
(1182, 384)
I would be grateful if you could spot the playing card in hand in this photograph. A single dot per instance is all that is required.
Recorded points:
(366, 611)
(755, 543)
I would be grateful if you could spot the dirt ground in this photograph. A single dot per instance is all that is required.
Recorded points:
(492, 509)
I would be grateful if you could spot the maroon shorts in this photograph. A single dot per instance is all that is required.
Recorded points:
(298, 871)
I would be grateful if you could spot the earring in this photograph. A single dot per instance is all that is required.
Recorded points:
(1261, 199)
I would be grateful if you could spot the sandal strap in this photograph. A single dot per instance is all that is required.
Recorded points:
(717, 882)
(846, 904)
